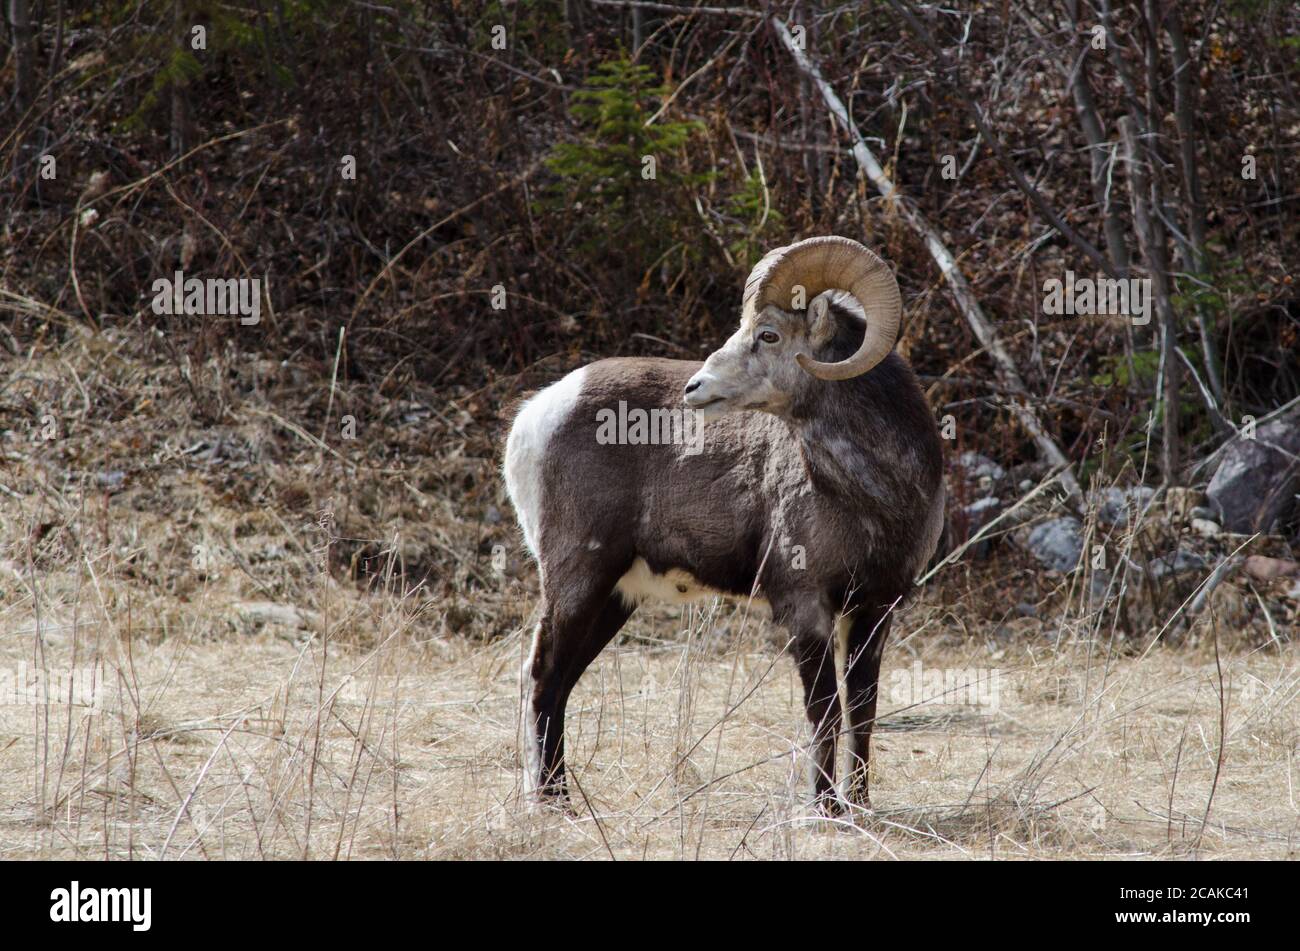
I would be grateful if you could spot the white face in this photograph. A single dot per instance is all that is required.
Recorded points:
(755, 369)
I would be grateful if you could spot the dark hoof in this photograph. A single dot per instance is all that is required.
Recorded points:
(861, 809)
(552, 798)
(859, 798)
(830, 805)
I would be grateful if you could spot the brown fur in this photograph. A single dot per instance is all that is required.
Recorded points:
(828, 510)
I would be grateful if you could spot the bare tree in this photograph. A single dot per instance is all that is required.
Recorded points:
(1151, 240)
(1101, 152)
(180, 107)
(949, 69)
(1185, 106)
(20, 25)
(964, 297)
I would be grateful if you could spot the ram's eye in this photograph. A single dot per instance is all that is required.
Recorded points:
(768, 336)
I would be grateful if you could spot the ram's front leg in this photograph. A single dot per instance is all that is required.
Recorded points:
(868, 630)
(814, 652)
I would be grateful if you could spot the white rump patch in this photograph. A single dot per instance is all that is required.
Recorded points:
(537, 421)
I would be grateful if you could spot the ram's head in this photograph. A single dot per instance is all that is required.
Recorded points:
(787, 322)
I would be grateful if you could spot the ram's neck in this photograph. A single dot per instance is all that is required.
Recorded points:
(835, 463)
(870, 439)
(841, 444)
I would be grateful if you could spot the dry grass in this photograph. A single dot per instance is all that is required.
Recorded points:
(372, 713)
(264, 746)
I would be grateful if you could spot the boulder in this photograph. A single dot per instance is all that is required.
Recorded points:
(1115, 506)
(982, 511)
(975, 516)
(1256, 484)
(1177, 562)
(1206, 527)
(1263, 568)
(979, 471)
(1057, 544)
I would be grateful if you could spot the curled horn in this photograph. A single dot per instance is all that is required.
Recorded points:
(831, 263)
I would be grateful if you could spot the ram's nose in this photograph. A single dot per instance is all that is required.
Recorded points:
(703, 390)
(696, 392)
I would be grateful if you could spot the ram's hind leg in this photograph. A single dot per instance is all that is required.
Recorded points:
(572, 631)
(866, 645)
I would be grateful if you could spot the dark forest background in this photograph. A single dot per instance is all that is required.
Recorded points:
(501, 147)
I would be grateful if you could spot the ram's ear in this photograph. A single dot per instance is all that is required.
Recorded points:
(821, 325)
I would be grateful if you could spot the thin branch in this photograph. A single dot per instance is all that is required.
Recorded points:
(961, 292)
(680, 10)
(1035, 197)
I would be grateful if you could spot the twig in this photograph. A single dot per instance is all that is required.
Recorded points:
(1035, 197)
(961, 291)
(518, 179)
(334, 378)
(985, 529)
(683, 11)
(1223, 736)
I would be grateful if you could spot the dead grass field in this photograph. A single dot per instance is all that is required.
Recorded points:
(312, 650)
(262, 746)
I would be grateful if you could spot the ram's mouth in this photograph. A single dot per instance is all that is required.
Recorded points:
(706, 404)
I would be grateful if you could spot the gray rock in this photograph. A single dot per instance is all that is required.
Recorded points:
(1255, 484)
(1057, 544)
(978, 514)
(111, 481)
(258, 613)
(1099, 584)
(980, 470)
(1177, 562)
(1206, 527)
(1116, 506)
(982, 511)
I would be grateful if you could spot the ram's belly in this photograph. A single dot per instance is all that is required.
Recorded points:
(674, 586)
